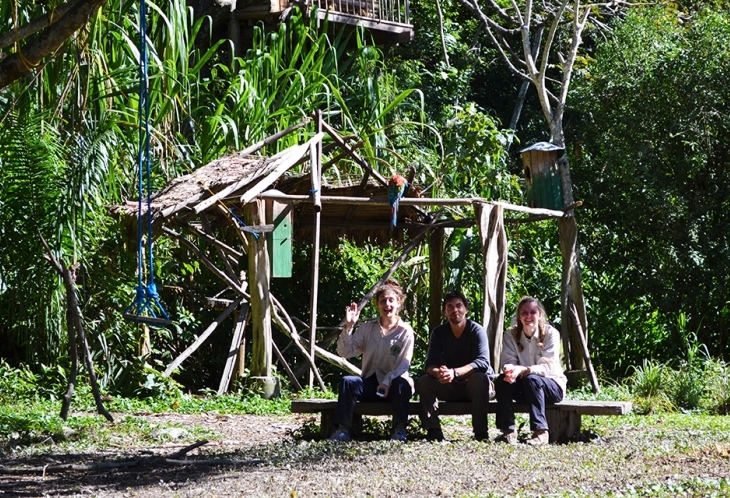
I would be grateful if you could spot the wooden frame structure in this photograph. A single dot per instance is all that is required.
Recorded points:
(201, 208)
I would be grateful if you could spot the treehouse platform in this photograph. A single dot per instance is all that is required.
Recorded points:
(387, 21)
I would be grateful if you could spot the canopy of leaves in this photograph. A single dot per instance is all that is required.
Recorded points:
(650, 166)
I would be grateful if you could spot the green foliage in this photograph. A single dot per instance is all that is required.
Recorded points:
(697, 384)
(654, 103)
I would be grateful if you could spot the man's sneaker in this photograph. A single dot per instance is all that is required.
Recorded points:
(341, 435)
(434, 434)
(539, 437)
(507, 437)
(399, 435)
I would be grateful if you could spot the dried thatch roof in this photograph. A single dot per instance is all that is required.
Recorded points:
(232, 176)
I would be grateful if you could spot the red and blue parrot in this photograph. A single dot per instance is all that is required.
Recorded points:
(397, 186)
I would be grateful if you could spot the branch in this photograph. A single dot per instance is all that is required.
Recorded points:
(441, 32)
(35, 25)
(490, 27)
(15, 66)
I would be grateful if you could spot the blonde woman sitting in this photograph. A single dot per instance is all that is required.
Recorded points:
(531, 372)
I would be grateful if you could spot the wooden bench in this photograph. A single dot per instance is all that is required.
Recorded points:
(564, 418)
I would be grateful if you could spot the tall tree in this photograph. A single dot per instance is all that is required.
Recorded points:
(539, 43)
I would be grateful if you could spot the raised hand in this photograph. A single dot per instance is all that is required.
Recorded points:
(352, 314)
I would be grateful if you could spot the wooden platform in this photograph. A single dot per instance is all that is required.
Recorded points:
(564, 418)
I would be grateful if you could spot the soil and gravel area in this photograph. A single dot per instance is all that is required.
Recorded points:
(256, 456)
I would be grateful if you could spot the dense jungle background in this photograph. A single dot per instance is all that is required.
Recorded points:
(646, 127)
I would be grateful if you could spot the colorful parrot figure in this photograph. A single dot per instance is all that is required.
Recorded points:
(397, 186)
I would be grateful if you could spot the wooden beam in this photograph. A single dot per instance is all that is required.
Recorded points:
(201, 339)
(494, 254)
(258, 285)
(407, 201)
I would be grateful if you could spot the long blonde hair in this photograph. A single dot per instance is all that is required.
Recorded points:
(542, 325)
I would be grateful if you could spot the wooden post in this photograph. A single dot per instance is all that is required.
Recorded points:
(494, 251)
(435, 277)
(258, 284)
(315, 164)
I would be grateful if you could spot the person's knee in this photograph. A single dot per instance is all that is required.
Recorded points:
(349, 382)
(501, 386)
(425, 383)
(401, 387)
(479, 383)
(532, 382)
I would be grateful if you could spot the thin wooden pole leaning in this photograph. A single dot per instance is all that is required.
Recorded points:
(283, 321)
(234, 350)
(273, 138)
(584, 347)
(201, 339)
(315, 167)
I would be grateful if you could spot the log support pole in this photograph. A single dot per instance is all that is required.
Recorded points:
(436, 276)
(258, 284)
(490, 219)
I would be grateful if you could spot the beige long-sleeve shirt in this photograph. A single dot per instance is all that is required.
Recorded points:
(543, 360)
(386, 355)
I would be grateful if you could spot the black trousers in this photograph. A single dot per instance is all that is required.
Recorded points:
(534, 390)
(354, 388)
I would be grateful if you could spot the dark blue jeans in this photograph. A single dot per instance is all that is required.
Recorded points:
(353, 389)
(534, 390)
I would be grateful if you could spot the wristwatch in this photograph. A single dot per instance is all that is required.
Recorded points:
(456, 373)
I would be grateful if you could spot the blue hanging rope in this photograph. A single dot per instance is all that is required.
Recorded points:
(242, 224)
(146, 307)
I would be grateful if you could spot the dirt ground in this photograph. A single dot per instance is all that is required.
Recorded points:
(255, 456)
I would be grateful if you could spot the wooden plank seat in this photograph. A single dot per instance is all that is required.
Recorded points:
(564, 418)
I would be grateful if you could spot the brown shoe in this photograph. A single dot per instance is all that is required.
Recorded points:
(539, 437)
(507, 437)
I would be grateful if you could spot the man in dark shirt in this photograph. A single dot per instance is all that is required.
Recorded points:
(457, 369)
